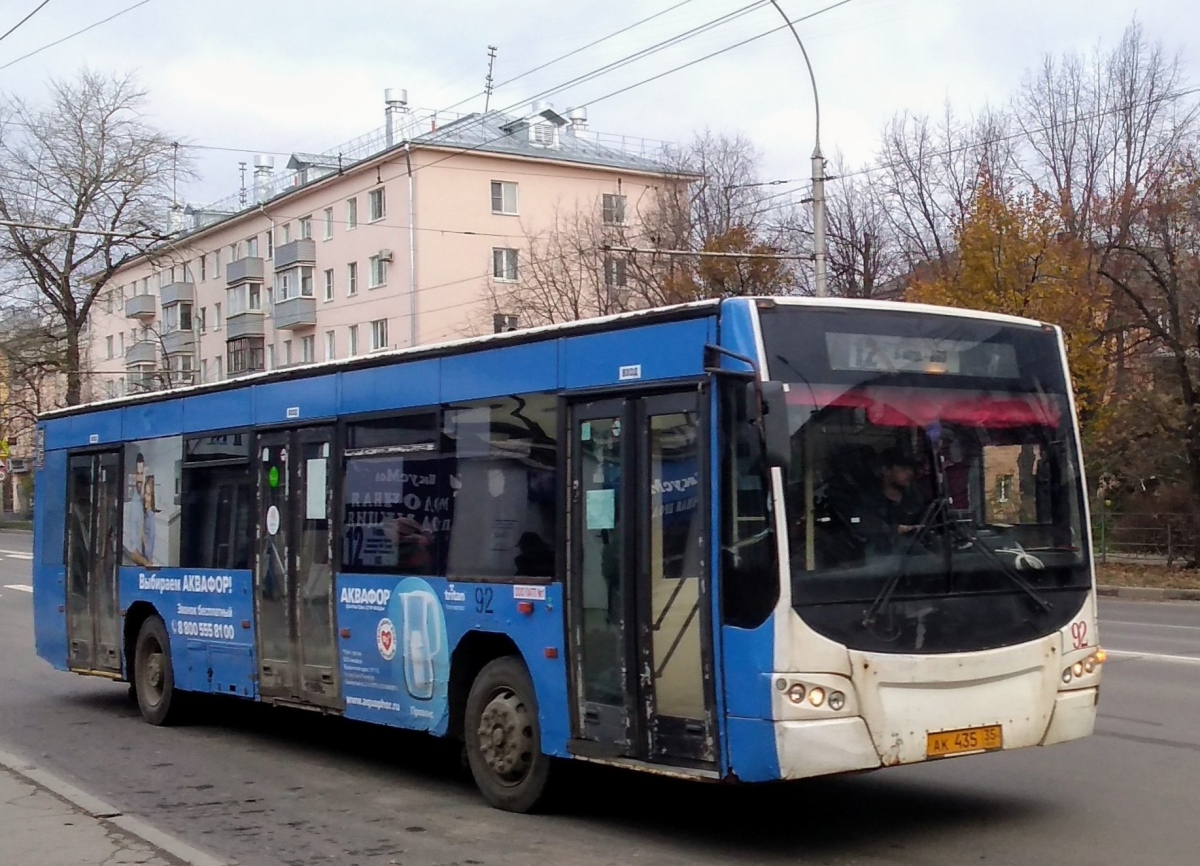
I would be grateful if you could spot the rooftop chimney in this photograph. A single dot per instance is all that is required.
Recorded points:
(396, 99)
(578, 118)
(542, 105)
(175, 219)
(264, 168)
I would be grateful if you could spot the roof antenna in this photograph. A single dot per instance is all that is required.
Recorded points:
(242, 191)
(487, 82)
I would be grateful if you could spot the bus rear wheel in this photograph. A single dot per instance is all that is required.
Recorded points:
(504, 748)
(154, 676)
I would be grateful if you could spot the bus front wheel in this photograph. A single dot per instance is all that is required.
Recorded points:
(504, 748)
(154, 677)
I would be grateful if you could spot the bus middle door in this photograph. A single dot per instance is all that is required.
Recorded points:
(293, 581)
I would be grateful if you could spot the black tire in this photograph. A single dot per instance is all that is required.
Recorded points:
(504, 742)
(153, 675)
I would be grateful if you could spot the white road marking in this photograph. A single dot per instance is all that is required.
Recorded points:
(1105, 622)
(1155, 657)
(16, 554)
(19, 587)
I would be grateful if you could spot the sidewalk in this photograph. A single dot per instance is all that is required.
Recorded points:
(47, 822)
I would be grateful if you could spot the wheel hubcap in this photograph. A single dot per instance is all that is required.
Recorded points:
(506, 737)
(154, 676)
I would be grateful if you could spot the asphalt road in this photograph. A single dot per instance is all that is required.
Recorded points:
(285, 787)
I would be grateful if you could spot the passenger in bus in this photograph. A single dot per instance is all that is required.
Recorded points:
(413, 545)
(536, 557)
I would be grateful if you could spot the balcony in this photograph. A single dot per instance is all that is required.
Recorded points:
(179, 342)
(299, 252)
(248, 324)
(141, 307)
(142, 352)
(298, 312)
(181, 292)
(249, 269)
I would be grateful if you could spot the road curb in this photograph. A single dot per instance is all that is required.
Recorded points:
(101, 811)
(1148, 593)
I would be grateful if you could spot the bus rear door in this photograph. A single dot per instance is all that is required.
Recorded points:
(93, 556)
(638, 584)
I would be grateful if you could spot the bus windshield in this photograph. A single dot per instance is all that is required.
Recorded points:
(933, 497)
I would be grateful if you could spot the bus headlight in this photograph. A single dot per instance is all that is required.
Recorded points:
(1085, 666)
(816, 696)
(837, 700)
(796, 693)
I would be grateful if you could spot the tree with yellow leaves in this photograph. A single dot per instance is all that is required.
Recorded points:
(1013, 256)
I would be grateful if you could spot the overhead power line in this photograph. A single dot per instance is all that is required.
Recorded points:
(76, 33)
(12, 29)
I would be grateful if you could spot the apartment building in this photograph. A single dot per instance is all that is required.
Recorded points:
(389, 242)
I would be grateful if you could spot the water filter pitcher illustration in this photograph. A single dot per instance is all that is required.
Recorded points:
(421, 641)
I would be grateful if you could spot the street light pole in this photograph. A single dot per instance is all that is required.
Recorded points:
(820, 247)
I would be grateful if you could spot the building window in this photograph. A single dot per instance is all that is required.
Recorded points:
(245, 355)
(252, 247)
(306, 282)
(328, 223)
(504, 265)
(308, 349)
(614, 210)
(329, 284)
(203, 370)
(352, 279)
(351, 213)
(218, 373)
(201, 317)
(244, 299)
(285, 286)
(216, 317)
(378, 272)
(306, 227)
(377, 204)
(615, 272)
(330, 346)
(285, 233)
(353, 340)
(379, 338)
(231, 253)
(287, 353)
(177, 317)
(504, 197)
(271, 243)
(203, 268)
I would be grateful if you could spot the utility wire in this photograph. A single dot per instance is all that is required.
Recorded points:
(76, 33)
(571, 53)
(10, 30)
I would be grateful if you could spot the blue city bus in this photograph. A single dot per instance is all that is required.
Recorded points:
(744, 540)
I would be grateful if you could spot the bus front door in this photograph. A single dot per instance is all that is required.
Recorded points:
(293, 586)
(639, 580)
(93, 556)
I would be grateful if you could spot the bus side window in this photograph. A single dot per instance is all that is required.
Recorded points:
(501, 459)
(750, 572)
(218, 503)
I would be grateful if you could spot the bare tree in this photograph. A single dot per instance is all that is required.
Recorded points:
(82, 181)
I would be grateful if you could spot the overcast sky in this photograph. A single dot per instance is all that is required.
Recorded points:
(278, 77)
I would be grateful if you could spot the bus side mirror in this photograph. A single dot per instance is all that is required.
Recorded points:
(768, 402)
